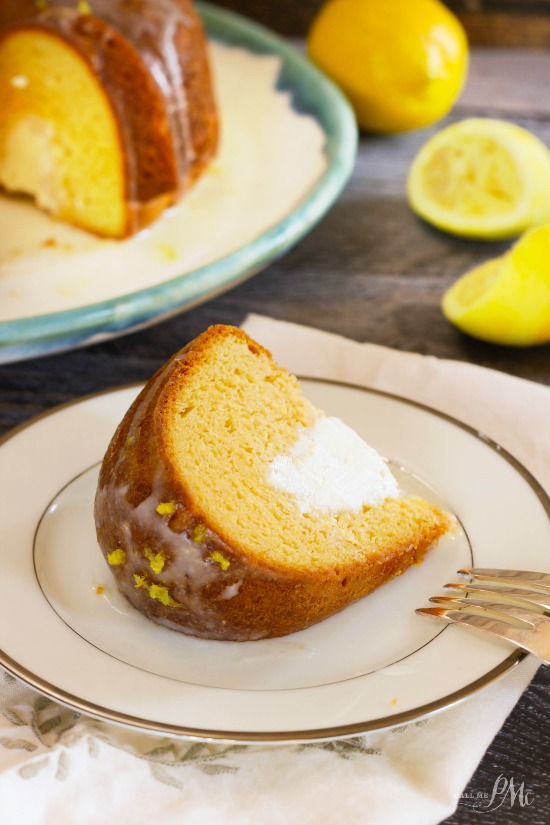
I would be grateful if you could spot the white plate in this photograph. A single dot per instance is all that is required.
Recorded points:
(287, 147)
(65, 630)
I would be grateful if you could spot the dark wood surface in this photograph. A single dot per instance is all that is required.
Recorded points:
(370, 270)
(487, 22)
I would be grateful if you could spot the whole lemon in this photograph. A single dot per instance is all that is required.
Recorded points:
(401, 63)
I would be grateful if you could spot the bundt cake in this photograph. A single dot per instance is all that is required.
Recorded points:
(229, 507)
(107, 113)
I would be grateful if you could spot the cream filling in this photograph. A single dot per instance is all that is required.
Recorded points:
(331, 468)
(31, 161)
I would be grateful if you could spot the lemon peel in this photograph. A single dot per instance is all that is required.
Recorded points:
(157, 592)
(166, 508)
(401, 65)
(116, 557)
(220, 559)
(506, 300)
(156, 560)
(199, 534)
(481, 178)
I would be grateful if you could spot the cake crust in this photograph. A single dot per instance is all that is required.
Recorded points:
(180, 570)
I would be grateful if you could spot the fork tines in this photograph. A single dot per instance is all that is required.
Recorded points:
(511, 604)
(517, 578)
(509, 595)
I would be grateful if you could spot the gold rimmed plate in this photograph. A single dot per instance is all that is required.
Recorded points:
(65, 630)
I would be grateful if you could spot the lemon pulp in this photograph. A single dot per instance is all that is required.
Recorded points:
(506, 300)
(482, 178)
(474, 177)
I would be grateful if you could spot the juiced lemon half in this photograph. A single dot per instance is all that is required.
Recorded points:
(482, 178)
(506, 300)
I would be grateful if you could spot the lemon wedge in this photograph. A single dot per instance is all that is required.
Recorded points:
(481, 178)
(402, 64)
(506, 300)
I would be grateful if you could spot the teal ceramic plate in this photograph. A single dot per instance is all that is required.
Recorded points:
(288, 147)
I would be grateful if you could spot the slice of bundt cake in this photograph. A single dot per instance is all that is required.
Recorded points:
(229, 507)
(108, 113)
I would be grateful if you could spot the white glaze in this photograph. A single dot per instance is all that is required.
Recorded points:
(230, 591)
(184, 557)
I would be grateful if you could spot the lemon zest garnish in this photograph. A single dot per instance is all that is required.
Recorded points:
(199, 533)
(128, 443)
(168, 252)
(156, 591)
(116, 557)
(162, 595)
(220, 559)
(166, 508)
(156, 560)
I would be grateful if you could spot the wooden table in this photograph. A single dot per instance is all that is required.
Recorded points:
(371, 271)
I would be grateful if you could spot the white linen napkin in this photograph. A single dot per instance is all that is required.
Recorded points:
(61, 768)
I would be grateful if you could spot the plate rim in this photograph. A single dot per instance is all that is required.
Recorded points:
(30, 336)
(293, 736)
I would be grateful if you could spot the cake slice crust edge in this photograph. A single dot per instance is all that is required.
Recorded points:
(209, 585)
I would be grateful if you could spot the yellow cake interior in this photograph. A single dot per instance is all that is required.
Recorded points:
(58, 137)
(221, 430)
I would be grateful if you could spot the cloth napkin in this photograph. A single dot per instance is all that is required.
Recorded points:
(59, 768)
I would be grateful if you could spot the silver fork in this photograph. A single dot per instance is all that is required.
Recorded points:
(511, 604)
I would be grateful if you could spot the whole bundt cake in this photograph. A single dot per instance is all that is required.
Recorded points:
(228, 507)
(107, 110)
